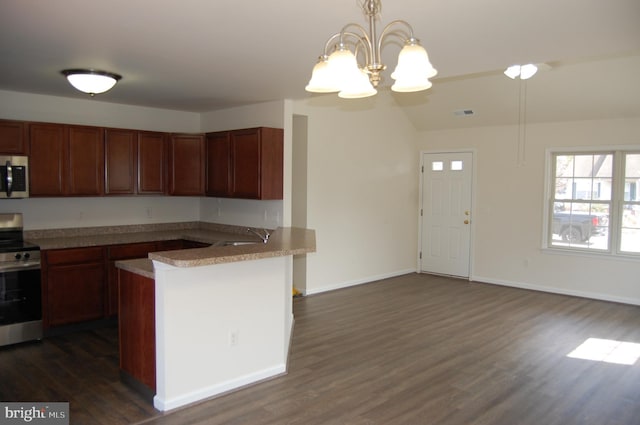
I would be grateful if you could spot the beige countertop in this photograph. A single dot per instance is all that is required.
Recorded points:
(115, 235)
(283, 241)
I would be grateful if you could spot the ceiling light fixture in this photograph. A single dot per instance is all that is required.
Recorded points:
(91, 81)
(340, 71)
(523, 71)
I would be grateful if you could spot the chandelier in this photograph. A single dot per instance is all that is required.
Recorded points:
(91, 81)
(340, 71)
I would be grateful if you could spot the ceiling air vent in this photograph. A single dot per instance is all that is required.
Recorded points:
(464, 113)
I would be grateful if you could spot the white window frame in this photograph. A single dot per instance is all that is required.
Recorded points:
(617, 201)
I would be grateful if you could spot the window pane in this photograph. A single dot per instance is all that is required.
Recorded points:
(456, 165)
(564, 166)
(581, 225)
(437, 166)
(564, 188)
(632, 177)
(630, 232)
(583, 166)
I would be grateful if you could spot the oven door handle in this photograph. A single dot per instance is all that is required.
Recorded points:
(18, 267)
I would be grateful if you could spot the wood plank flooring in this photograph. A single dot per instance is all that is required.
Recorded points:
(416, 349)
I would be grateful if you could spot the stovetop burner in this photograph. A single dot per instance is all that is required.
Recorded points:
(17, 246)
(11, 239)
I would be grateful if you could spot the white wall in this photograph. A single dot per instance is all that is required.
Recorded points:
(362, 190)
(508, 217)
(91, 111)
(61, 213)
(198, 309)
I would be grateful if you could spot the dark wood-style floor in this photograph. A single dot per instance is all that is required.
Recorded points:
(416, 349)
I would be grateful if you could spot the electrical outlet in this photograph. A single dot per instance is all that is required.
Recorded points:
(149, 212)
(233, 338)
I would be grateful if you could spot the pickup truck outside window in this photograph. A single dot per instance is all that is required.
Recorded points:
(595, 205)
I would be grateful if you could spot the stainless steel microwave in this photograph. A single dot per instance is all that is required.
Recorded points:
(14, 177)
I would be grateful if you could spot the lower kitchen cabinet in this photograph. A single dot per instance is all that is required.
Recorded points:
(74, 285)
(81, 284)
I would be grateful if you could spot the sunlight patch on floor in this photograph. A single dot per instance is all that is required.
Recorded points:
(607, 350)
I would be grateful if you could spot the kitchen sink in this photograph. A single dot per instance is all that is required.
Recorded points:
(239, 243)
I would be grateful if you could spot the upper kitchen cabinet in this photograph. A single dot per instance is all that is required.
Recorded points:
(219, 164)
(13, 138)
(135, 162)
(120, 161)
(152, 163)
(186, 164)
(66, 160)
(86, 161)
(245, 163)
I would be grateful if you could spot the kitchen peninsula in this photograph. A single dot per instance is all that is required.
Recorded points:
(222, 316)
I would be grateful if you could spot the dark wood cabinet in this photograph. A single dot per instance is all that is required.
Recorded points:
(86, 161)
(117, 253)
(245, 163)
(121, 162)
(66, 160)
(48, 159)
(13, 138)
(186, 164)
(152, 163)
(219, 164)
(74, 284)
(135, 162)
(137, 329)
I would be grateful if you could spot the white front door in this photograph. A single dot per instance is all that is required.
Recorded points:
(446, 213)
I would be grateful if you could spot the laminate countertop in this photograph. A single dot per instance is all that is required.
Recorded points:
(283, 241)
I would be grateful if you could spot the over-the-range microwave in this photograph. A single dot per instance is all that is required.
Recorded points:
(14, 176)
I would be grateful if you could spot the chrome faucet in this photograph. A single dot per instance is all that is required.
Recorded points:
(264, 237)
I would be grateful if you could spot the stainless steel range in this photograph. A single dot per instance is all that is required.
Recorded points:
(20, 286)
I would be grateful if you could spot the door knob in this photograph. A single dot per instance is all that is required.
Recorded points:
(466, 222)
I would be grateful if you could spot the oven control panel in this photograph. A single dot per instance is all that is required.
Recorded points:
(20, 259)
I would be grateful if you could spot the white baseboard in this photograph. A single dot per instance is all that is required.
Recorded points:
(217, 390)
(555, 290)
(356, 282)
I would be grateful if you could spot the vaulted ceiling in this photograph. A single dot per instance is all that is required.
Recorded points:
(201, 55)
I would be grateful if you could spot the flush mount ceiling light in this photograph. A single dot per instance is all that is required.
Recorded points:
(340, 71)
(523, 71)
(91, 81)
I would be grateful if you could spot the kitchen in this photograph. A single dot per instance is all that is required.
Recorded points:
(371, 192)
(74, 289)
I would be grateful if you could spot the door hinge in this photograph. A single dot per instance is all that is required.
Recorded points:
(422, 169)
(421, 212)
(421, 255)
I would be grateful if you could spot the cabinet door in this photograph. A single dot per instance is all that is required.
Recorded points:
(48, 159)
(13, 138)
(120, 161)
(245, 160)
(75, 293)
(86, 161)
(186, 156)
(219, 164)
(73, 286)
(152, 163)
(271, 163)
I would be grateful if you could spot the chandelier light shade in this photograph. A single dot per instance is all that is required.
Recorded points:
(340, 71)
(523, 71)
(91, 81)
